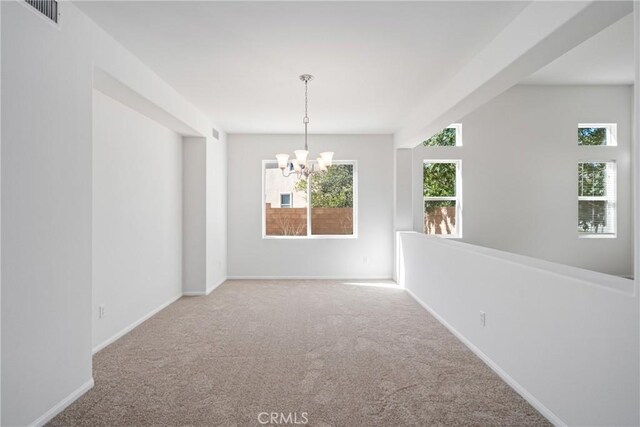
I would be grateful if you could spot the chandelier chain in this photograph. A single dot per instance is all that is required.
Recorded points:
(306, 99)
(306, 113)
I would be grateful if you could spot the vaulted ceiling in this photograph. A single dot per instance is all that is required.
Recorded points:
(605, 58)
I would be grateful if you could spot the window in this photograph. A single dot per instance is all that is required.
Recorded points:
(331, 213)
(285, 200)
(442, 198)
(451, 136)
(597, 134)
(284, 216)
(597, 199)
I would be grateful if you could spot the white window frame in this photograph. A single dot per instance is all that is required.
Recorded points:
(310, 236)
(611, 130)
(290, 194)
(612, 174)
(457, 198)
(458, 128)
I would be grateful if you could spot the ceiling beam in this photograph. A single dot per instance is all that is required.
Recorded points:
(542, 32)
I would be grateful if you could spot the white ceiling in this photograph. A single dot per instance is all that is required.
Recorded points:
(606, 58)
(239, 62)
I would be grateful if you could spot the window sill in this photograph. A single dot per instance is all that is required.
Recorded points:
(597, 236)
(314, 237)
(444, 236)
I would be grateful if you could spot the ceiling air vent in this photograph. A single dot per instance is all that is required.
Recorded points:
(48, 8)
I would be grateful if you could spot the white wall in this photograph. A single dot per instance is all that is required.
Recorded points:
(251, 255)
(216, 234)
(403, 195)
(204, 214)
(520, 155)
(565, 338)
(137, 216)
(636, 139)
(403, 217)
(194, 204)
(47, 197)
(0, 211)
(46, 211)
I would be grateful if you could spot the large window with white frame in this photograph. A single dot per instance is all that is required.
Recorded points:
(324, 205)
(597, 199)
(442, 191)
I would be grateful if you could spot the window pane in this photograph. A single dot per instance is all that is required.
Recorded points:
(439, 179)
(596, 216)
(592, 136)
(285, 200)
(446, 138)
(284, 220)
(332, 201)
(592, 179)
(440, 217)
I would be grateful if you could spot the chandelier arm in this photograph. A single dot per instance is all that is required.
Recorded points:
(287, 175)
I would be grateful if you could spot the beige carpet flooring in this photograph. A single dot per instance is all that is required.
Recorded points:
(345, 355)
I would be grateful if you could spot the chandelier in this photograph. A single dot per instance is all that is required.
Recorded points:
(300, 165)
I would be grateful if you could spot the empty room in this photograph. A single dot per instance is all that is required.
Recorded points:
(319, 213)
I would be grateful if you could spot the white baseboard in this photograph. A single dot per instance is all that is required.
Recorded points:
(546, 412)
(51, 413)
(129, 328)
(203, 293)
(194, 294)
(215, 285)
(151, 313)
(48, 416)
(305, 278)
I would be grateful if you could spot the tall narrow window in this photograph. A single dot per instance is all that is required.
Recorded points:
(442, 198)
(332, 208)
(597, 134)
(597, 199)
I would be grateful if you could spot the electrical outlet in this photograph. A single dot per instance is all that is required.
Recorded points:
(483, 318)
(101, 311)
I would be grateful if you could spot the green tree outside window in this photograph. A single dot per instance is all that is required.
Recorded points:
(332, 188)
(592, 136)
(445, 138)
